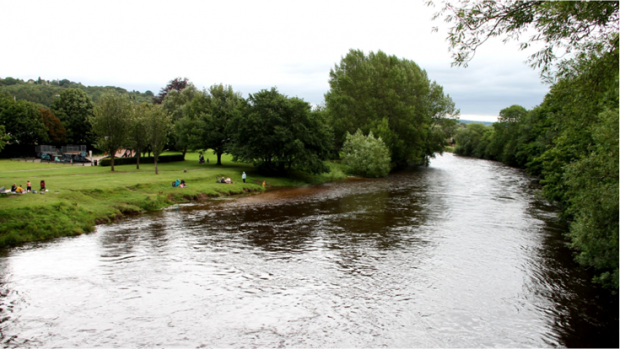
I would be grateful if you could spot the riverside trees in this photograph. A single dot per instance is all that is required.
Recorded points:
(392, 98)
(112, 122)
(571, 139)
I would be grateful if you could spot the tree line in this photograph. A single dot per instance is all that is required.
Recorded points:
(397, 114)
(570, 141)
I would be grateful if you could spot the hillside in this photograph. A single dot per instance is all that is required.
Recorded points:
(42, 92)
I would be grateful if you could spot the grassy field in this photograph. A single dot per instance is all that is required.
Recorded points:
(81, 196)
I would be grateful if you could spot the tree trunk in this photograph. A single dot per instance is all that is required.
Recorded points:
(112, 161)
(219, 159)
(155, 158)
(138, 160)
(184, 151)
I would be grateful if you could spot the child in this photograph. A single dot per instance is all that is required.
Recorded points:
(42, 186)
(28, 187)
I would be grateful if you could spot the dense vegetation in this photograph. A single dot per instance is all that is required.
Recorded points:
(43, 92)
(571, 140)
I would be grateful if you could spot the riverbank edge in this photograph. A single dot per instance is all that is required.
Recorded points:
(79, 211)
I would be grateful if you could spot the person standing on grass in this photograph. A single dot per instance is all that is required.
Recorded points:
(243, 177)
(42, 185)
(28, 187)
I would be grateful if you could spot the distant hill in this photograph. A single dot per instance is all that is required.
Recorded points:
(485, 123)
(43, 92)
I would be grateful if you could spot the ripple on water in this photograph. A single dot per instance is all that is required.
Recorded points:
(459, 254)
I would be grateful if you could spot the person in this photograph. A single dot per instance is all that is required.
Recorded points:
(243, 177)
(176, 183)
(222, 180)
(42, 186)
(20, 189)
(13, 188)
(228, 181)
(28, 186)
(182, 185)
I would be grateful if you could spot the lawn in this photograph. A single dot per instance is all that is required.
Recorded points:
(81, 196)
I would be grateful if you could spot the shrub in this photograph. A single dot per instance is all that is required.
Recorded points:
(366, 155)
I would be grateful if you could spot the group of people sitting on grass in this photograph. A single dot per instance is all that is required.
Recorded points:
(179, 184)
(222, 180)
(19, 189)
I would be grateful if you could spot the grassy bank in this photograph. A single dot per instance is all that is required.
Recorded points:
(81, 197)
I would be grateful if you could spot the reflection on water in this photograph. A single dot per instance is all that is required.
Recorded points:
(459, 254)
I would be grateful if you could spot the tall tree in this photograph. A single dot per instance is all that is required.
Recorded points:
(56, 132)
(221, 104)
(276, 133)
(389, 96)
(177, 85)
(74, 108)
(111, 123)
(158, 125)
(138, 137)
(22, 121)
(175, 104)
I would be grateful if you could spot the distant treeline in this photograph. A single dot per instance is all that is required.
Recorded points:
(43, 92)
(570, 141)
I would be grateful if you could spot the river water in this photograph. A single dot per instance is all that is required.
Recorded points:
(459, 254)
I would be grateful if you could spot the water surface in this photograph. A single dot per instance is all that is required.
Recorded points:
(459, 254)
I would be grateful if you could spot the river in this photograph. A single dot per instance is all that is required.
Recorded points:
(458, 254)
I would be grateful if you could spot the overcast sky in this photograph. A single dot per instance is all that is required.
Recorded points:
(251, 45)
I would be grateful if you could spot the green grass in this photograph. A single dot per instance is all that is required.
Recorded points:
(81, 196)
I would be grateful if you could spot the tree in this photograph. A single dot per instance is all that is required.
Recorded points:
(174, 104)
(564, 26)
(4, 137)
(177, 85)
(138, 137)
(389, 96)
(158, 126)
(221, 105)
(56, 132)
(366, 155)
(111, 123)
(276, 133)
(22, 121)
(74, 108)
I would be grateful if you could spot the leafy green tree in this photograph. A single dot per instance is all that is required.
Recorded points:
(22, 121)
(276, 132)
(111, 123)
(391, 97)
(74, 108)
(159, 124)
(4, 137)
(177, 85)
(564, 26)
(592, 186)
(138, 137)
(174, 103)
(366, 155)
(56, 132)
(221, 105)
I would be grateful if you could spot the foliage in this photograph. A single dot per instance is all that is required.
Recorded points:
(138, 138)
(276, 132)
(55, 130)
(112, 121)
(592, 188)
(220, 105)
(74, 108)
(22, 121)
(174, 103)
(177, 85)
(366, 155)
(158, 125)
(564, 26)
(394, 99)
(4, 138)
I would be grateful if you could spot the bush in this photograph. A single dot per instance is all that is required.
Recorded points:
(150, 160)
(366, 155)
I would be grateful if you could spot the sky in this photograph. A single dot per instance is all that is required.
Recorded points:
(251, 45)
